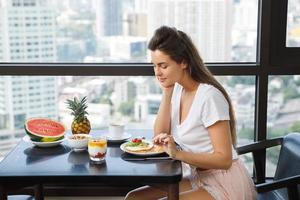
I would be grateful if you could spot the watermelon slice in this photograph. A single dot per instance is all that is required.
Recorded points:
(44, 130)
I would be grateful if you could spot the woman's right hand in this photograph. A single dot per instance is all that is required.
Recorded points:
(163, 118)
(167, 90)
(167, 142)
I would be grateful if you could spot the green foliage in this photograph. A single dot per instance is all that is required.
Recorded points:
(272, 133)
(106, 90)
(289, 87)
(103, 100)
(245, 80)
(297, 82)
(295, 127)
(78, 107)
(127, 108)
(246, 133)
(272, 154)
(290, 93)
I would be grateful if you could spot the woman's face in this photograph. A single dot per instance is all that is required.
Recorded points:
(166, 70)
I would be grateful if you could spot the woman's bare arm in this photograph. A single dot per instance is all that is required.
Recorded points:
(162, 122)
(221, 158)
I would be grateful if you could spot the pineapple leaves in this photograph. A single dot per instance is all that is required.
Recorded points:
(78, 107)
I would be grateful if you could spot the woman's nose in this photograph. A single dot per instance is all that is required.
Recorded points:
(157, 71)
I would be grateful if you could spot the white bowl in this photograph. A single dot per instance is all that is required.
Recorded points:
(78, 141)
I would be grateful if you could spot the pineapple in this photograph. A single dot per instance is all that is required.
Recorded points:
(80, 124)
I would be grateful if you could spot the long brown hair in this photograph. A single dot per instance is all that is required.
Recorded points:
(180, 47)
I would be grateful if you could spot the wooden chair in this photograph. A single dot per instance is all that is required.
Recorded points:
(285, 184)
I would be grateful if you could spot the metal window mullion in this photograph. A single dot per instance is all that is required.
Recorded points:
(261, 96)
(113, 69)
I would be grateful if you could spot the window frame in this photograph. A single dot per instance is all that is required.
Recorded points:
(280, 53)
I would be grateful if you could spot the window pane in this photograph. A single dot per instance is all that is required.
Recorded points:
(283, 112)
(131, 99)
(271, 160)
(118, 30)
(293, 24)
(241, 90)
(283, 105)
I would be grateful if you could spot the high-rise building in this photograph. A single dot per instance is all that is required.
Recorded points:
(141, 6)
(25, 97)
(108, 18)
(27, 31)
(244, 35)
(27, 34)
(147, 102)
(208, 22)
(135, 24)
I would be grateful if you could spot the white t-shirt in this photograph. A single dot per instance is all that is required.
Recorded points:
(209, 106)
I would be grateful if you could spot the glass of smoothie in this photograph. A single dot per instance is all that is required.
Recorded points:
(97, 147)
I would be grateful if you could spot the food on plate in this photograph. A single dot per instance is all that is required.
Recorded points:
(80, 124)
(157, 149)
(78, 137)
(138, 144)
(78, 141)
(44, 130)
(141, 146)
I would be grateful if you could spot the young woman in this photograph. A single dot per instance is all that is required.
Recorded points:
(196, 113)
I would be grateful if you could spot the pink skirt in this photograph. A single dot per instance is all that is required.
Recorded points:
(232, 184)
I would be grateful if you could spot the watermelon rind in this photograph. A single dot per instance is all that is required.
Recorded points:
(47, 139)
(37, 137)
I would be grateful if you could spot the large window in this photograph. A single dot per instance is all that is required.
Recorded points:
(117, 31)
(240, 40)
(133, 100)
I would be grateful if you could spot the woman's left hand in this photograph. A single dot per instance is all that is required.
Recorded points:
(167, 142)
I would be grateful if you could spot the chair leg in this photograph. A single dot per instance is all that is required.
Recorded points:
(3, 193)
(259, 164)
(38, 192)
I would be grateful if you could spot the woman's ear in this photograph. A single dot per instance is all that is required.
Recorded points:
(183, 64)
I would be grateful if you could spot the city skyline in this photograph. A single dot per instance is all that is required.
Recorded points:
(85, 31)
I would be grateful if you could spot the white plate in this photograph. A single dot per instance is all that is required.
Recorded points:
(125, 136)
(26, 138)
(148, 153)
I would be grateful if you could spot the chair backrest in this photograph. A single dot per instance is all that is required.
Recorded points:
(289, 158)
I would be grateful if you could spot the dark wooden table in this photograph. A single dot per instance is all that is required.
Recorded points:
(27, 164)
